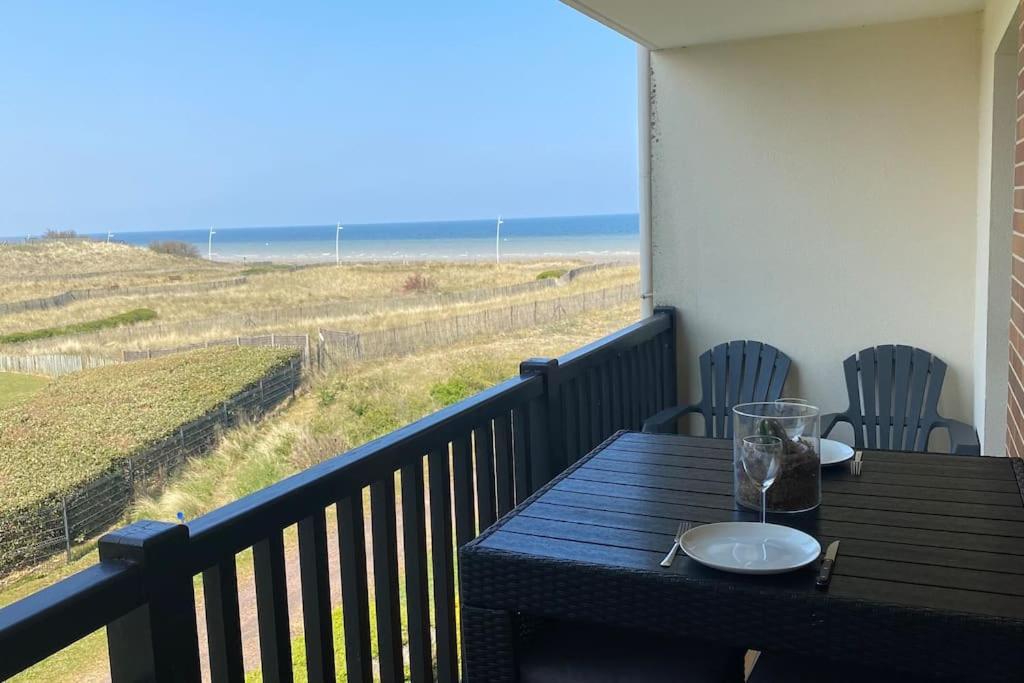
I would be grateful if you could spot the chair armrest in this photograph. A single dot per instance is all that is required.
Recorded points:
(664, 422)
(963, 438)
(831, 420)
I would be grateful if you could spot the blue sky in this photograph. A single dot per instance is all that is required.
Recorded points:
(149, 115)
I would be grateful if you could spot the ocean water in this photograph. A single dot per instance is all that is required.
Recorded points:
(608, 237)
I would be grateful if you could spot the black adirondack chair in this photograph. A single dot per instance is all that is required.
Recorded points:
(894, 397)
(730, 374)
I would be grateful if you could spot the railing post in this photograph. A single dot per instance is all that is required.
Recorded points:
(158, 641)
(670, 356)
(547, 442)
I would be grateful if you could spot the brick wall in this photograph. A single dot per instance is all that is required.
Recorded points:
(1015, 400)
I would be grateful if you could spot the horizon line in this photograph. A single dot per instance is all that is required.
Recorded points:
(317, 225)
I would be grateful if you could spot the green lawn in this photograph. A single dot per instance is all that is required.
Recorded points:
(16, 387)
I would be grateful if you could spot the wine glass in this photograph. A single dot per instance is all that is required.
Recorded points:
(760, 456)
(793, 407)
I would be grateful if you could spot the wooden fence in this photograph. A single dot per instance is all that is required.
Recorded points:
(52, 364)
(57, 524)
(65, 298)
(292, 341)
(339, 347)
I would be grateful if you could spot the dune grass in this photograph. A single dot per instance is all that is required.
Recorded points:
(46, 267)
(177, 328)
(348, 408)
(136, 315)
(286, 288)
(16, 387)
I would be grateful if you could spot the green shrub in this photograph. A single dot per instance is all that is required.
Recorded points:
(326, 395)
(78, 426)
(552, 274)
(175, 248)
(131, 317)
(454, 389)
(60, 235)
(418, 282)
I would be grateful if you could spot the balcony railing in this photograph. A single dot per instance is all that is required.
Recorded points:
(471, 462)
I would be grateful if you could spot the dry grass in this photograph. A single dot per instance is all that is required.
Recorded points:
(283, 288)
(183, 318)
(349, 408)
(46, 267)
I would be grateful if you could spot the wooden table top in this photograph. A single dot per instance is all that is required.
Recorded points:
(939, 534)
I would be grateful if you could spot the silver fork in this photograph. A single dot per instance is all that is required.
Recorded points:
(683, 528)
(855, 466)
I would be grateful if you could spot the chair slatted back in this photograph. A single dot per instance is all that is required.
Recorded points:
(894, 396)
(738, 372)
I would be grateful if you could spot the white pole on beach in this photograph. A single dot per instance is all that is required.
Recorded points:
(337, 245)
(497, 241)
(109, 235)
(209, 247)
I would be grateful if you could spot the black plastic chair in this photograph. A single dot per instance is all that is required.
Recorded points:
(730, 374)
(894, 397)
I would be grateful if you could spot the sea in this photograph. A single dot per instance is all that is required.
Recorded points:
(595, 238)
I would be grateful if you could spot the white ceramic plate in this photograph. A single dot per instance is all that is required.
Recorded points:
(834, 452)
(750, 547)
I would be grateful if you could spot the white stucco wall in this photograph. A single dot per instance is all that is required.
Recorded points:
(819, 192)
(997, 105)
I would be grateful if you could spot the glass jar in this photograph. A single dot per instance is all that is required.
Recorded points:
(797, 487)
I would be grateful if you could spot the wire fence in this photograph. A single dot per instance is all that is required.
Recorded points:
(65, 298)
(336, 348)
(58, 523)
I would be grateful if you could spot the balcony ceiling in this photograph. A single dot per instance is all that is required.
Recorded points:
(662, 24)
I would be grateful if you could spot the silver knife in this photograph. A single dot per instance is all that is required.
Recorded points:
(825, 572)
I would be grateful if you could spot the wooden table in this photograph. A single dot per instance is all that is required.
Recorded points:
(930, 576)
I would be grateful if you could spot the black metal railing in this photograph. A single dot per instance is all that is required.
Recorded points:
(456, 470)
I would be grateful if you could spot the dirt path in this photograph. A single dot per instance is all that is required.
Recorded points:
(247, 597)
(247, 603)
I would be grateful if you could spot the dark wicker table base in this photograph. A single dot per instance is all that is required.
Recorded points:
(514, 575)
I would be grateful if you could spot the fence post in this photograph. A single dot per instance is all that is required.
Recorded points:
(547, 443)
(67, 527)
(158, 641)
